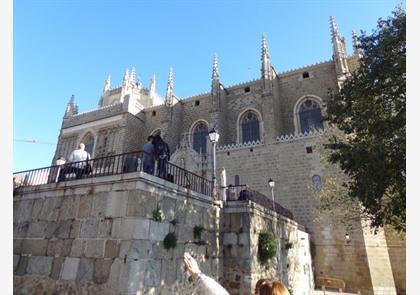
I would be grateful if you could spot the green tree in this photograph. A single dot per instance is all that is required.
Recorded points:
(370, 110)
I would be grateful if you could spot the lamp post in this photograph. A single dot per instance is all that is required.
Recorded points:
(214, 138)
(271, 183)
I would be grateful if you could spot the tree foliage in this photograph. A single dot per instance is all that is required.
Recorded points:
(370, 110)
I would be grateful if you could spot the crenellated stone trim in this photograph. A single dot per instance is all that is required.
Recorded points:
(300, 135)
(241, 145)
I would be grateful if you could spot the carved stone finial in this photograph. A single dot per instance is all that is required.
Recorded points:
(266, 70)
(107, 85)
(215, 73)
(170, 89)
(356, 45)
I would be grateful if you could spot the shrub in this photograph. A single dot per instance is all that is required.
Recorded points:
(170, 241)
(267, 247)
(198, 229)
(157, 215)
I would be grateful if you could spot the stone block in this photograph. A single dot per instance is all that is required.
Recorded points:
(116, 205)
(85, 206)
(168, 272)
(35, 247)
(75, 229)
(70, 268)
(243, 239)
(168, 208)
(63, 230)
(125, 248)
(22, 265)
(69, 208)
(141, 204)
(85, 271)
(15, 261)
(101, 271)
(95, 248)
(114, 275)
(89, 228)
(99, 204)
(50, 209)
(36, 229)
(140, 249)
(152, 275)
(50, 229)
(20, 230)
(132, 276)
(159, 252)
(36, 209)
(24, 211)
(17, 246)
(77, 248)
(112, 248)
(140, 228)
(56, 267)
(59, 247)
(184, 233)
(105, 228)
(230, 239)
(158, 230)
(40, 265)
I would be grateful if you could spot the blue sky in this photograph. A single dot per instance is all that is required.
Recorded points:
(68, 47)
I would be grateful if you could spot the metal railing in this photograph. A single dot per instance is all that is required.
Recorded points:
(243, 192)
(113, 165)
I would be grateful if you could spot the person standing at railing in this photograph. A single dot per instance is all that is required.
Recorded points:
(80, 157)
(60, 173)
(162, 153)
(148, 156)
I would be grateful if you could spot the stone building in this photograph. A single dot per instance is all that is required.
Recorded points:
(268, 129)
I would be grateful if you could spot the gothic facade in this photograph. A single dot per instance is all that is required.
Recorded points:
(268, 129)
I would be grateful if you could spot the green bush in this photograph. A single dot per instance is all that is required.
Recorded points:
(267, 247)
(288, 245)
(157, 215)
(170, 241)
(198, 229)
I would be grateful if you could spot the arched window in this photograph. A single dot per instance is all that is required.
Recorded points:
(89, 141)
(237, 180)
(310, 116)
(200, 132)
(250, 127)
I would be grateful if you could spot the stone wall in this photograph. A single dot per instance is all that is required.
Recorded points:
(242, 223)
(291, 164)
(97, 235)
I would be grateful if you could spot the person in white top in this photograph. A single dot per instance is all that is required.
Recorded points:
(207, 285)
(80, 156)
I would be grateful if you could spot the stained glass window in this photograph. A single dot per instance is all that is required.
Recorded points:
(310, 116)
(250, 127)
(200, 138)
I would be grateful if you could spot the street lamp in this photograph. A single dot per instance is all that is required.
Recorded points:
(271, 183)
(214, 138)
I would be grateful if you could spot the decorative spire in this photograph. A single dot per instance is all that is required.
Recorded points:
(133, 76)
(356, 45)
(71, 108)
(266, 71)
(215, 74)
(107, 85)
(339, 50)
(126, 78)
(152, 87)
(170, 89)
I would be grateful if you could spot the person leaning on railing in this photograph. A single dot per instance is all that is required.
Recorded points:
(79, 165)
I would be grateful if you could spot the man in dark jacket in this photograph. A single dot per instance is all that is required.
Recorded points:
(162, 154)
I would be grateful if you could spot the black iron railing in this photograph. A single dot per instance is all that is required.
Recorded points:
(243, 192)
(113, 165)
